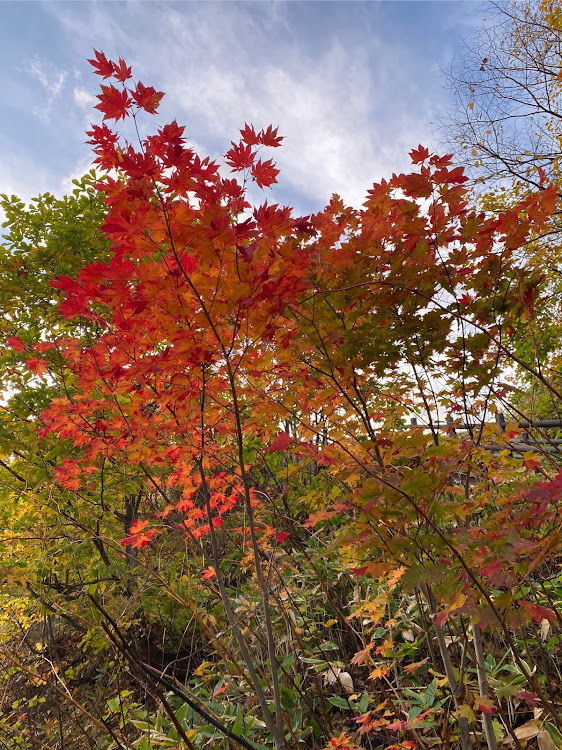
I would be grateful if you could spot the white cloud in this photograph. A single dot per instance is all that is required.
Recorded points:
(14, 177)
(84, 165)
(350, 112)
(51, 80)
(220, 67)
(84, 99)
(14, 180)
(53, 84)
(337, 112)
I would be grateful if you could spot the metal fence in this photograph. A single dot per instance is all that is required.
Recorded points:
(523, 444)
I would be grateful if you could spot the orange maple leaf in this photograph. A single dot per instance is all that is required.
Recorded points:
(137, 536)
(37, 366)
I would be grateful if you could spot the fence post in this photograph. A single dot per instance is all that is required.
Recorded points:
(500, 419)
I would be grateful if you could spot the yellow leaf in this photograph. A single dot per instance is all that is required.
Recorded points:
(458, 601)
(386, 648)
(200, 671)
(379, 672)
(394, 577)
(466, 712)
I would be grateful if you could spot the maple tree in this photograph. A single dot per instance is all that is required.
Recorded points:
(242, 378)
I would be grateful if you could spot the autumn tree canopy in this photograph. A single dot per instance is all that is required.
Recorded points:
(265, 428)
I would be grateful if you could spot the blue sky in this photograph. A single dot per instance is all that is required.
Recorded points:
(353, 86)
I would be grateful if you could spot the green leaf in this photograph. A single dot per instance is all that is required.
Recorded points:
(339, 702)
(363, 703)
(181, 713)
(415, 711)
(113, 704)
(238, 726)
(288, 661)
(554, 734)
(430, 693)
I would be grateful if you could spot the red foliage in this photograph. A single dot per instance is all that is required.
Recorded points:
(218, 321)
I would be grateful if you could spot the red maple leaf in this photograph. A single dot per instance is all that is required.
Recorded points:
(532, 463)
(315, 518)
(486, 705)
(416, 185)
(103, 66)
(65, 283)
(137, 536)
(15, 343)
(419, 154)
(74, 304)
(147, 98)
(530, 698)
(37, 366)
(249, 135)
(172, 133)
(69, 472)
(537, 612)
(72, 484)
(102, 136)
(264, 173)
(122, 72)
(44, 346)
(280, 443)
(456, 176)
(113, 103)
(240, 156)
(270, 138)
(441, 617)
(492, 568)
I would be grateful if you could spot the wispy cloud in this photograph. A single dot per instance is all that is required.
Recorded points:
(14, 180)
(352, 86)
(84, 99)
(51, 80)
(82, 166)
(338, 106)
(52, 85)
(224, 64)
